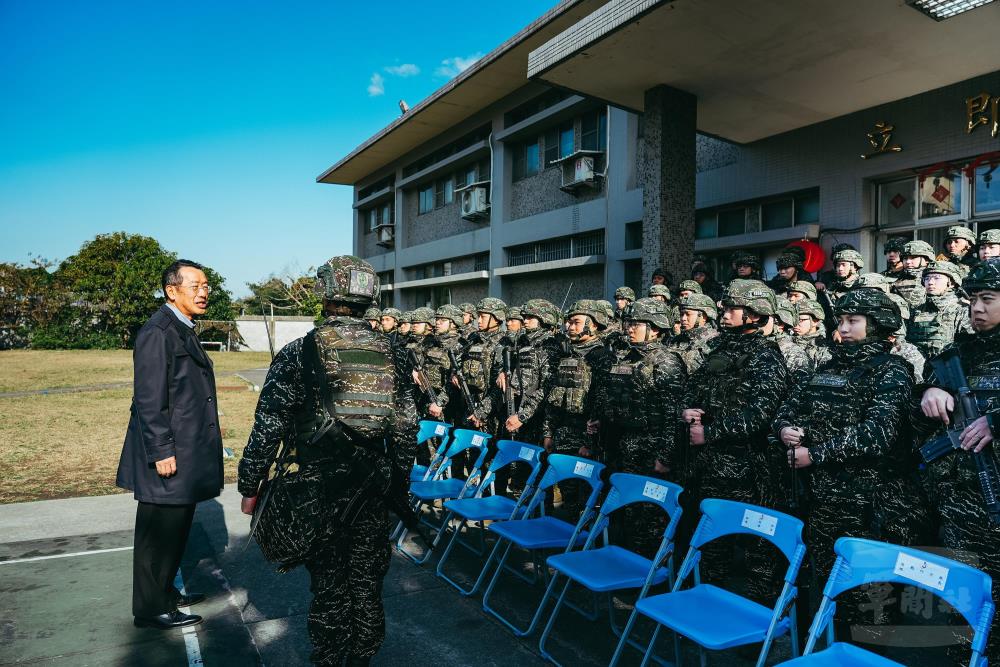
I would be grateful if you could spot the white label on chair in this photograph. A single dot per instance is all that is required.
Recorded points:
(655, 491)
(917, 569)
(757, 521)
(478, 439)
(440, 429)
(583, 469)
(526, 454)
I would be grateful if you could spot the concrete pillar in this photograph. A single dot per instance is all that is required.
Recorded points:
(667, 174)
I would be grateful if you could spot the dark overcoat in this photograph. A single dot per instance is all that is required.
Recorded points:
(174, 413)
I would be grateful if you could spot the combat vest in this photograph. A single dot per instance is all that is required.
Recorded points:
(572, 379)
(527, 347)
(350, 369)
(725, 368)
(477, 364)
(910, 286)
(927, 328)
(629, 381)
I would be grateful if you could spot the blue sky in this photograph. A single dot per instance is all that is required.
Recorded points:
(205, 124)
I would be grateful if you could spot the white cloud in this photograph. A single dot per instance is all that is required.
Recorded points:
(377, 85)
(406, 69)
(452, 67)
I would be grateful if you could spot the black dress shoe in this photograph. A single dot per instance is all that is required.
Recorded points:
(172, 619)
(191, 599)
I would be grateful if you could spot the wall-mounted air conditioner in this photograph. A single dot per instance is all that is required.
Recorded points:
(475, 201)
(386, 235)
(580, 170)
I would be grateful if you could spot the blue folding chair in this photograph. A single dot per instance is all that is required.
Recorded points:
(538, 533)
(441, 488)
(494, 507)
(429, 430)
(612, 568)
(860, 561)
(713, 617)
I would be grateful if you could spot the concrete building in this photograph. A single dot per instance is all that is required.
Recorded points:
(610, 138)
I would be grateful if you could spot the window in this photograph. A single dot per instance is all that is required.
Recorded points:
(633, 235)
(387, 215)
(588, 244)
(987, 195)
(806, 209)
(426, 204)
(633, 275)
(776, 215)
(896, 203)
(444, 192)
(581, 245)
(446, 269)
(372, 215)
(706, 225)
(594, 131)
(940, 196)
(525, 160)
(481, 262)
(732, 222)
(468, 177)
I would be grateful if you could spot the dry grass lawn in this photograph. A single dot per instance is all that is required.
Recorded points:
(64, 445)
(24, 370)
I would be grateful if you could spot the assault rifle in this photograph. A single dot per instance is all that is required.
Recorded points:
(948, 367)
(508, 387)
(422, 380)
(456, 368)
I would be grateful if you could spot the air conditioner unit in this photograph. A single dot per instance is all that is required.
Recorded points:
(579, 171)
(386, 235)
(475, 204)
(583, 170)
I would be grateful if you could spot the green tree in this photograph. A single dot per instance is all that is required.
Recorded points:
(290, 295)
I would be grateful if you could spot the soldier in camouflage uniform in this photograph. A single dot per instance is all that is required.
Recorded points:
(778, 328)
(390, 320)
(847, 265)
(934, 323)
(535, 351)
(570, 402)
(613, 333)
(347, 564)
(698, 316)
(955, 489)
(810, 334)
(662, 293)
(374, 318)
(791, 269)
(447, 322)
(958, 244)
(800, 289)
(636, 399)
(469, 321)
(624, 297)
(728, 406)
(893, 251)
(746, 266)
(848, 426)
(910, 283)
(989, 244)
(515, 322)
(404, 328)
(689, 287)
(900, 346)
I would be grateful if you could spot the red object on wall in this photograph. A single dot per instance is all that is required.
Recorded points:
(815, 257)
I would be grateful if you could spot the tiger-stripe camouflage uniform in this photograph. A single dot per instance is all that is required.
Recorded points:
(438, 362)
(934, 323)
(954, 486)
(739, 387)
(910, 282)
(570, 401)
(693, 344)
(814, 343)
(346, 620)
(637, 399)
(798, 363)
(535, 352)
(856, 444)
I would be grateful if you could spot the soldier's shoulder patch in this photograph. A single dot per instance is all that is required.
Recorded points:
(361, 283)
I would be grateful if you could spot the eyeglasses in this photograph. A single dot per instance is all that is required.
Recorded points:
(195, 289)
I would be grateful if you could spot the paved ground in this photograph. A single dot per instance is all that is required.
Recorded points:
(65, 586)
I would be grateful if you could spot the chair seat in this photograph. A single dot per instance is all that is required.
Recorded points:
(417, 473)
(840, 654)
(545, 532)
(712, 617)
(437, 489)
(490, 508)
(606, 569)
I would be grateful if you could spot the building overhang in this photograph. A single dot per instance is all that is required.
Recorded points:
(760, 67)
(757, 239)
(455, 278)
(493, 77)
(552, 265)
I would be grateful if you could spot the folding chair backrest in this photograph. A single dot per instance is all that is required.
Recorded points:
(628, 489)
(561, 467)
(965, 588)
(727, 517)
(432, 429)
(463, 439)
(512, 451)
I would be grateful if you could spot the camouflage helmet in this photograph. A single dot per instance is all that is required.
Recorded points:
(450, 312)
(895, 244)
(803, 287)
(468, 308)
(700, 302)
(691, 286)
(591, 309)
(919, 249)
(422, 314)
(810, 307)
(750, 294)
(546, 311)
(989, 236)
(785, 312)
(945, 268)
(406, 317)
(904, 310)
(983, 276)
(872, 280)
(493, 306)
(652, 312)
(514, 313)
(881, 311)
(961, 232)
(659, 290)
(373, 314)
(392, 312)
(347, 279)
(788, 259)
(606, 306)
(747, 259)
(626, 293)
(849, 255)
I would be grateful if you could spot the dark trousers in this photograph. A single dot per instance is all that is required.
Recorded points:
(161, 533)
